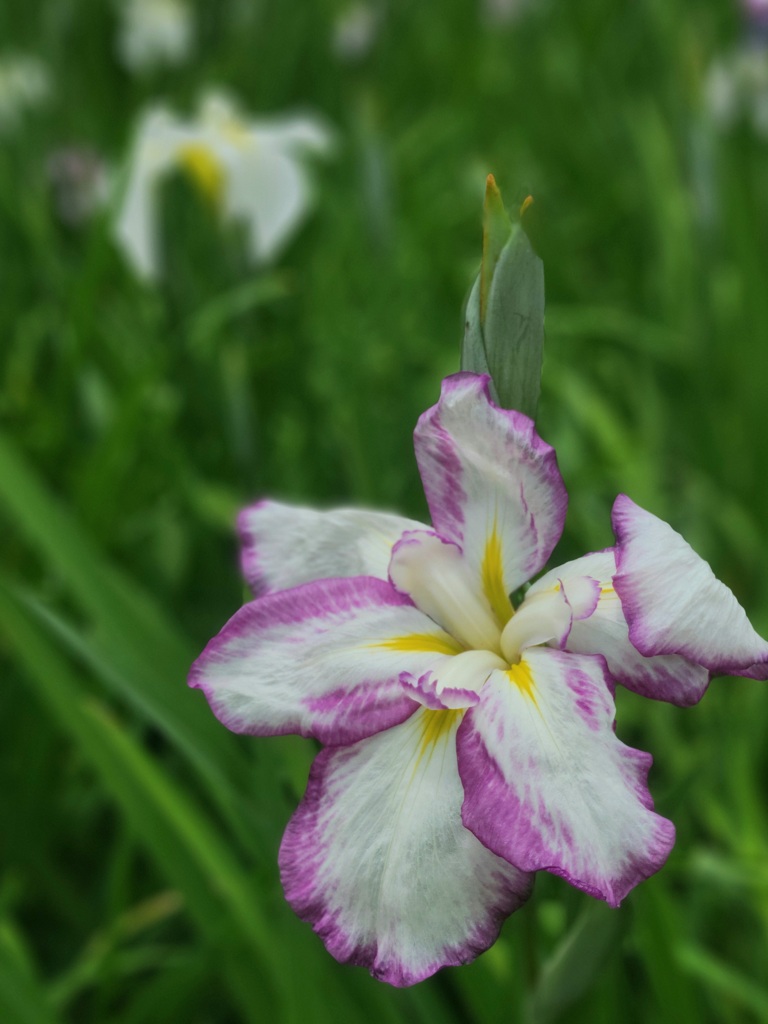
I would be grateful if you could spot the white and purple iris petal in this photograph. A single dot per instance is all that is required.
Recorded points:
(673, 602)
(605, 631)
(469, 743)
(377, 860)
(548, 786)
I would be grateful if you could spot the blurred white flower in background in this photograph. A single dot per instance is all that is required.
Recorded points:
(354, 31)
(736, 87)
(24, 84)
(504, 12)
(153, 33)
(252, 171)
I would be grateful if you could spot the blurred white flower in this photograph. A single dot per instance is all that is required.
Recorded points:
(354, 31)
(24, 84)
(252, 171)
(504, 12)
(736, 85)
(153, 33)
(736, 88)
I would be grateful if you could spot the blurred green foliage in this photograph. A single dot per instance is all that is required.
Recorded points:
(139, 879)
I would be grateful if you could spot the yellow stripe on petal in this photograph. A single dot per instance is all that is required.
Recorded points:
(204, 170)
(521, 676)
(492, 575)
(444, 644)
(434, 727)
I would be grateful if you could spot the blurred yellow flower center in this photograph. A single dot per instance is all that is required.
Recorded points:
(205, 171)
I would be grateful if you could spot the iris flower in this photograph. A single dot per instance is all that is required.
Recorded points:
(154, 33)
(25, 84)
(468, 739)
(252, 171)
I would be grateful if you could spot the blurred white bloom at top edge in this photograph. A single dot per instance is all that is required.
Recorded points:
(736, 84)
(736, 88)
(252, 171)
(153, 33)
(24, 84)
(354, 31)
(504, 12)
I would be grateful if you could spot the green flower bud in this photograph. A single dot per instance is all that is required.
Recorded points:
(504, 322)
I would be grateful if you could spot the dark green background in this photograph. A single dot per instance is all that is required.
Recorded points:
(139, 838)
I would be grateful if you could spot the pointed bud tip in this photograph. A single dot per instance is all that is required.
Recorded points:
(496, 232)
(527, 202)
(494, 204)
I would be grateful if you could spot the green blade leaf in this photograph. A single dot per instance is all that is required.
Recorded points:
(258, 954)
(724, 979)
(575, 964)
(131, 644)
(23, 1000)
(184, 844)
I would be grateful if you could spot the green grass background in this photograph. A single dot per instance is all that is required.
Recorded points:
(139, 838)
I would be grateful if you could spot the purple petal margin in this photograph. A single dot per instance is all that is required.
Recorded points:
(338, 715)
(424, 690)
(502, 821)
(649, 642)
(440, 466)
(301, 860)
(249, 549)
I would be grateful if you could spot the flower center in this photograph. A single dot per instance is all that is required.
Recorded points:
(204, 170)
(434, 574)
(539, 619)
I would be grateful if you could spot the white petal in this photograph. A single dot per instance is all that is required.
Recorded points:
(322, 660)
(377, 860)
(269, 191)
(492, 484)
(456, 683)
(158, 139)
(605, 631)
(136, 228)
(674, 603)
(549, 786)
(667, 677)
(294, 134)
(285, 545)
(599, 565)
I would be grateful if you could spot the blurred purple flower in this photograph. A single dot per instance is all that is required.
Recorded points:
(79, 183)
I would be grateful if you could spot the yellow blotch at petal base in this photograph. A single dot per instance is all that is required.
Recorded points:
(521, 676)
(422, 642)
(434, 727)
(492, 575)
(204, 170)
